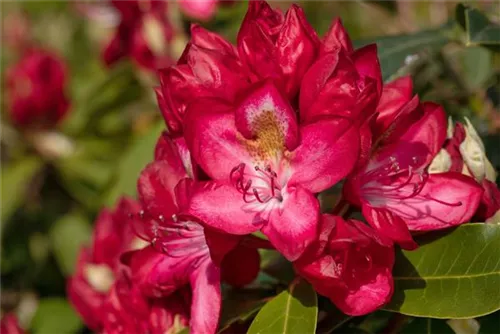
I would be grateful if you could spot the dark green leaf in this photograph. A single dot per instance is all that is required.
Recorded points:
(16, 179)
(55, 315)
(241, 305)
(131, 164)
(427, 326)
(478, 28)
(399, 51)
(292, 311)
(454, 276)
(68, 235)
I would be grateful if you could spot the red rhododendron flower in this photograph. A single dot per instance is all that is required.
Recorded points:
(35, 89)
(10, 325)
(350, 264)
(266, 166)
(183, 251)
(394, 188)
(142, 34)
(99, 266)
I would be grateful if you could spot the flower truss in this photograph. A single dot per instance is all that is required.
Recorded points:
(255, 132)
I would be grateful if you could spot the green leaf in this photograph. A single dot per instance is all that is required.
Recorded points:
(478, 28)
(139, 154)
(397, 52)
(55, 315)
(241, 305)
(16, 179)
(476, 64)
(454, 276)
(427, 326)
(292, 311)
(68, 235)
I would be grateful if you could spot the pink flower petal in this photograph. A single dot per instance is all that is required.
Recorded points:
(213, 139)
(293, 225)
(206, 304)
(220, 206)
(446, 200)
(327, 153)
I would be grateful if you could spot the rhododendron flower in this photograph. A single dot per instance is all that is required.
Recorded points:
(350, 264)
(183, 251)
(35, 89)
(394, 188)
(10, 325)
(143, 34)
(464, 152)
(99, 266)
(266, 166)
(199, 9)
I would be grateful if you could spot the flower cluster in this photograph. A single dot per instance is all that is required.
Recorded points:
(255, 132)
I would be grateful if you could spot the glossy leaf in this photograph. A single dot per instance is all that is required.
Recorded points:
(400, 51)
(68, 235)
(139, 154)
(453, 275)
(55, 315)
(16, 179)
(292, 311)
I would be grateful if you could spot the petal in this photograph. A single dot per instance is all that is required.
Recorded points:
(175, 152)
(258, 54)
(157, 274)
(220, 206)
(389, 225)
(215, 71)
(293, 225)
(210, 40)
(156, 186)
(490, 201)
(213, 139)
(206, 304)
(430, 129)
(395, 95)
(220, 244)
(446, 200)
(200, 9)
(337, 38)
(296, 48)
(264, 110)
(314, 80)
(327, 153)
(172, 121)
(268, 19)
(367, 64)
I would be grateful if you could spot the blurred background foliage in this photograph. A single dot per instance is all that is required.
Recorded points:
(53, 184)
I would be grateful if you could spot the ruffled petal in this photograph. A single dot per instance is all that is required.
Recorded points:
(367, 64)
(327, 153)
(293, 225)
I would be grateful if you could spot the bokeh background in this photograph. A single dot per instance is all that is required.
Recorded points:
(54, 181)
